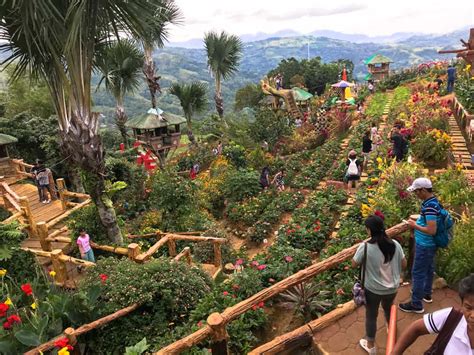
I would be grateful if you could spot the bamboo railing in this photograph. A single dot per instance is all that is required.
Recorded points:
(217, 322)
(463, 117)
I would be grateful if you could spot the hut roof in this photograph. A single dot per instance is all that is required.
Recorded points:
(7, 139)
(155, 118)
(378, 59)
(301, 95)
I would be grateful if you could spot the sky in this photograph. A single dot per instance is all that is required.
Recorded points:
(370, 17)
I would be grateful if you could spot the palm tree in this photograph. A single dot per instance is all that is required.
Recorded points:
(58, 41)
(193, 99)
(223, 56)
(121, 66)
(155, 38)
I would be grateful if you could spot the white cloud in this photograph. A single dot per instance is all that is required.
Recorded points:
(370, 17)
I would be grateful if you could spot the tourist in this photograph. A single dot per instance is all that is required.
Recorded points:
(34, 172)
(192, 173)
(353, 170)
(298, 122)
(384, 262)
(42, 175)
(279, 180)
(265, 178)
(455, 328)
(219, 148)
(425, 247)
(451, 78)
(371, 87)
(399, 143)
(83, 242)
(366, 148)
(438, 82)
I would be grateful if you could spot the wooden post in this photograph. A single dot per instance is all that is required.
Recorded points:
(189, 258)
(172, 246)
(6, 203)
(43, 235)
(219, 334)
(133, 251)
(70, 335)
(25, 207)
(61, 189)
(217, 254)
(59, 266)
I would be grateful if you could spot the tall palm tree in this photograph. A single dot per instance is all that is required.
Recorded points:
(193, 99)
(121, 67)
(58, 40)
(156, 38)
(223, 56)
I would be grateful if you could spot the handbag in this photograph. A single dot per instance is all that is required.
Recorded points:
(358, 290)
(442, 340)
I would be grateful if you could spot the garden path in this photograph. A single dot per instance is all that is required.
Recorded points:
(343, 336)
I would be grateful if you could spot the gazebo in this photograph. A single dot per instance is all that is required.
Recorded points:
(378, 66)
(5, 139)
(158, 129)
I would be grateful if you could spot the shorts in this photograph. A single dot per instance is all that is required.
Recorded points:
(89, 256)
(353, 177)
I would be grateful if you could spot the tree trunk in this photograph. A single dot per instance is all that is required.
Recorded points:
(218, 98)
(120, 120)
(75, 178)
(191, 137)
(80, 140)
(149, 71)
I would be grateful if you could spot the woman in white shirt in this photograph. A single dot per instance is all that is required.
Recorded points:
(461, 337)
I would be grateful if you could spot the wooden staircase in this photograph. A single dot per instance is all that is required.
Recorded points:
(291, 105)
(460, 150)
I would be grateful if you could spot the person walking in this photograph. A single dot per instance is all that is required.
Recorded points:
(366, 148)
(354, 167)
(34, 172)
(279, 180)
(399, 143)
(451, 78)
(455, 328)
(84, 244)
(425, 248)
(42, 175)
(384, 261)
(265, 178)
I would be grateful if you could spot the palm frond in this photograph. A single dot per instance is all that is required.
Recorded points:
(192, 97)
(224, 52)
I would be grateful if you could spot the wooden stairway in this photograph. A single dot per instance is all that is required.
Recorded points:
(291, 106)
(460, 150)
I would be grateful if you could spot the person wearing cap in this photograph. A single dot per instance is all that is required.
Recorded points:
(425, 247)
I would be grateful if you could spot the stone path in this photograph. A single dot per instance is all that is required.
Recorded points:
(343, 336)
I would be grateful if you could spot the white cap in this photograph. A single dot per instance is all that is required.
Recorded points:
(420, 183)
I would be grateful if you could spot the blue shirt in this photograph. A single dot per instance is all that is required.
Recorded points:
(430, 209)
(451, 73)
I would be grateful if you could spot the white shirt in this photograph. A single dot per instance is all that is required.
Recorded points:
(459, 343)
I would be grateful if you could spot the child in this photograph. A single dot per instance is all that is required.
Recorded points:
(279, 181)
(42, 177)
(83, 242)
(353, 170)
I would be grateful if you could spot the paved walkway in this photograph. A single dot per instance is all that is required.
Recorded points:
(343, 336)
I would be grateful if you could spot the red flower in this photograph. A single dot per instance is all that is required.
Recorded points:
(403, 194)
(26, 288)
(261, 267)
(10, 321)
(61, 343)
(225, 293)
(254, 307)
(380, 214)
(340, 291)
(199, 324)
(3, 309)
(288, 259)
(261, 304)
(7, 325)
(103, 278)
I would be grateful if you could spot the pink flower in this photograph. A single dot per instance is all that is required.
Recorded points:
(288, 259)
(261, 267)
(225, 293)
(199, 324)
(239, 262)
(255, 263)
(340, 292)
(254, 307)
(271, 280)
(103, 278)
(402, 194)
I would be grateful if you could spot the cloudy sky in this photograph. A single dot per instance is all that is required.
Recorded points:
(370, 17)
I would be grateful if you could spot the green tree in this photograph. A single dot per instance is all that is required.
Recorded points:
(248, 96)
(268, 126)
(288, 68)
(58, 41)
(223, 56)
(193, 99)
(120, 65)
(318, 74)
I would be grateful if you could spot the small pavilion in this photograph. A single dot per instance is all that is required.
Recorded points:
(378, 66)
(6, 166)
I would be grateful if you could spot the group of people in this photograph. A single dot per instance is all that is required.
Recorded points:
(382, 259)
(44, 181)
(278, 180)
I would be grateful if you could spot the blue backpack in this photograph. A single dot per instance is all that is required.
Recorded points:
(444, 229)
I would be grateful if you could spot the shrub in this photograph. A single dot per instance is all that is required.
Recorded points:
(241, 184)
(452, 188)
(235, 154)
(269, 126)
(432, 146)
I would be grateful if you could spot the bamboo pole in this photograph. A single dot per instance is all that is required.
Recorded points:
(66, 214)
(25, 207)
(9, 191)
(186, 252)
(196, 238)
(133, 251)
(75, 194)
(11, 202)
(110, 249)
(59, 266)
(219, 334)
(153, 249)
(171, 246)
(58, 232)
(62, 189)
(217, 253)
(59, 239)
(13, 217)
(43, 236)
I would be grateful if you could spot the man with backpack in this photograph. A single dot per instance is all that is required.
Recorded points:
(354, 169)
(432, 230)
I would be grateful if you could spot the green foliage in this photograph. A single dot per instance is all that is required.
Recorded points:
(87, 218)
(223, 53)
(376, 105)
(235, 153)
(432, 146)
(395, 79)
(452, 188)
(137, 349)
(241, 184)
(269, 126)
(456, 262)
(192, 97)
(249, 95)
(464, 89)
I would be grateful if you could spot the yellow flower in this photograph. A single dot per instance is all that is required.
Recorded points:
(3, 272)
(52, 273)
(8, 301)
(63, 351)
(33, 305)
(379, 160)
(371, 201)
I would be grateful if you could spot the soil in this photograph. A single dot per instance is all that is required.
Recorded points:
(280, 321)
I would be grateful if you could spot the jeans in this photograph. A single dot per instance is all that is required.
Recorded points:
(450, 86)
(89, 256)
(372, 311)
(422, 274)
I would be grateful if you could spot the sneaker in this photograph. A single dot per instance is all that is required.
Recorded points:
(409, 308)
(428, 299)
(363, 345)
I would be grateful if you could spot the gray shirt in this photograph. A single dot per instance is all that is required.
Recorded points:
(380, 278)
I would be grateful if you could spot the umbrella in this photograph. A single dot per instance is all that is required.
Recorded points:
(342, 84)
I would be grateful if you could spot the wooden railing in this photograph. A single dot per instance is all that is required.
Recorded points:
(21, 168)
(463, 117)
(217, 322)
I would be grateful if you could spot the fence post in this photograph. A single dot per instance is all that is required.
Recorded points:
(133, 251)
(59, 266)
(69, 333)
(217, 254)
(172, 246)
(189, 258)
(25, 207)
(61, 189)
(6, 203)
(43, 235)
(219, 334)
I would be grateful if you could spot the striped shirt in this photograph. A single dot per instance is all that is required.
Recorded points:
(430, 209)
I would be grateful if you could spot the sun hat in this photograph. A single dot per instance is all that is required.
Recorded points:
(420, 183)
